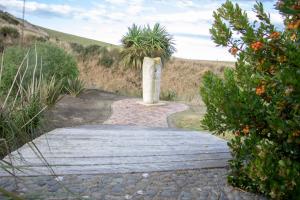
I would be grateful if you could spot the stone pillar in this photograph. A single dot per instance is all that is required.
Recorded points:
(151, 80)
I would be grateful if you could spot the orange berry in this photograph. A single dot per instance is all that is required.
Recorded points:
(260, 90)
(275, 35)
(233, 51)
(246, 130)
(294, 25)
(257, 45)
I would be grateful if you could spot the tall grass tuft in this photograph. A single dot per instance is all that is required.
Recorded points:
(21, 111)
(74, 86)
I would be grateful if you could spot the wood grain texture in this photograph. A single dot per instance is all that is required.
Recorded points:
(117, 150)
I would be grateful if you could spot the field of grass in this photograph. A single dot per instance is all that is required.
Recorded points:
(191, 120)
(73, 38)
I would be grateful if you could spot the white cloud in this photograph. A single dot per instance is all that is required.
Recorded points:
(200, 49)
(134, 9)
(32, 6)
(185, 3)
(116, 1)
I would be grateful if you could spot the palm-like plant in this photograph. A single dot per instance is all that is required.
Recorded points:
(140, 42)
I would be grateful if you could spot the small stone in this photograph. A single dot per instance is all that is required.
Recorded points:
(168, 192)
(41, 183)
(77, 189)
(54, 188)
(140, 192)
(85, 197)
(117, 189)
(59, 178)
(185, 195)
(127, 196)
(145, 175)
(151, 192)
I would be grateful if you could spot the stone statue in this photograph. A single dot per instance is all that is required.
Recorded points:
(151, 80)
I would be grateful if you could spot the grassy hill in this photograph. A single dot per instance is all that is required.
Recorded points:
(75, 39)
(31, 31)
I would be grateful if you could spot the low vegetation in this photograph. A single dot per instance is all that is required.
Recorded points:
(74, 87)
(22, 104)
(7, 31)
(258, 101)
(9, 18)
(31, 80)
(168, 95)
(52, 60)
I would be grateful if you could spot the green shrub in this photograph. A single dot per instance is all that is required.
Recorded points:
(13, 57)
(77, 48)
(75, 86)
(9, 18)
(7, 31)
(30, 39)
(259, 100)
(106, 61)
(92, 50)
(21, 111)
(55, 62)
(51, 91)
(169, 95)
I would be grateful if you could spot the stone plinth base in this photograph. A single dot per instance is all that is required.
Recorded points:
(160, 103)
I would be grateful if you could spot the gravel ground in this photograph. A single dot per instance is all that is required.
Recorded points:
(169, 185)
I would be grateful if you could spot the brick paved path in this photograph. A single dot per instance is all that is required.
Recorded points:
(131, 112)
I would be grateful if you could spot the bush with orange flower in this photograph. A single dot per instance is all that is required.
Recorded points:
(258, 100)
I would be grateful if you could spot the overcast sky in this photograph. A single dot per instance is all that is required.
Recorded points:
(107, 20)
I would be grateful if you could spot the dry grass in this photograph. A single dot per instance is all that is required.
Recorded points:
(179, 75)
(114, 79)
(184, 77)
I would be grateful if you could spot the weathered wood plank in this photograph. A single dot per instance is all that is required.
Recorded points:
(67, 161)
(89, 151)
(121, 168)
(121, 151)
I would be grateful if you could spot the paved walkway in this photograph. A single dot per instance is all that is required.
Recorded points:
(132, 112)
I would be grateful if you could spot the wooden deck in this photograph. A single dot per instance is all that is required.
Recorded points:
(117, 149)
